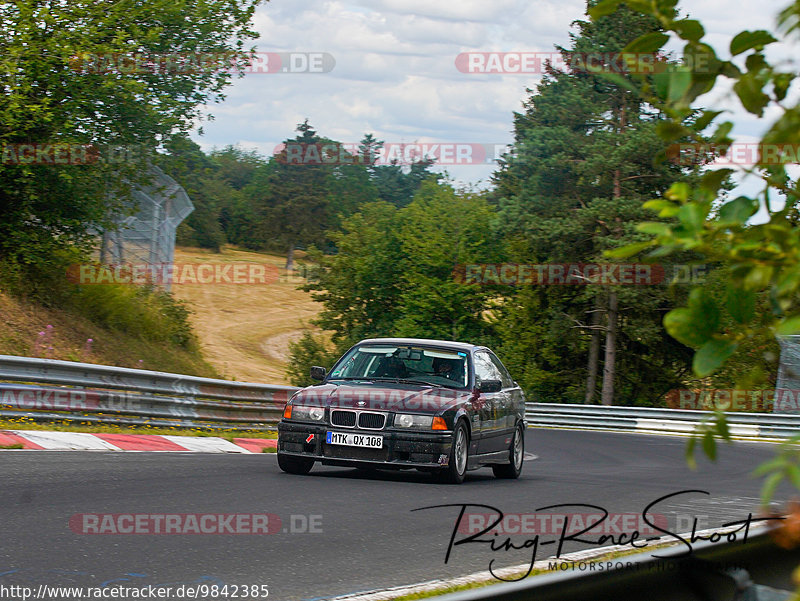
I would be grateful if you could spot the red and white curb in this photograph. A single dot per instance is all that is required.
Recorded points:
(80, 441)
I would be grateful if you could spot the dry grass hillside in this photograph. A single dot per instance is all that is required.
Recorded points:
(31, 330)
(245, 329)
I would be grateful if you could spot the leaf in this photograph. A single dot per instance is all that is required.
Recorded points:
(776, 463)
(758, 277)
(789, 326)
(721, 426)
(710, 445)
(693, 215)
(679, 82)
(794, 475)
(648, 43)
(671, 130)
(713, 180)
(678, 191)
(721, 133)
(788, 282)
(746, 40)
(689, 29)
(628, 250)
(738, 210)
(654, 227)
(712, 355)
(750, 93)
(665, 208)
(661, 82)
(664, 250)
(781, 83)
(703, 61)
(741, 304)
(603, 8)
(770, 484)
(694, 325)
(705, 119)
(690, 452)
(731, 70)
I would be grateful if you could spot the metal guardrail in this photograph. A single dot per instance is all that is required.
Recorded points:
(757, 570)
(767, 426)
(51, 391)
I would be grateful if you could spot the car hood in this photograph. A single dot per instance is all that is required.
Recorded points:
(382, 397)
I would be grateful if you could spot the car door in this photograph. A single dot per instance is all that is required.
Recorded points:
(513, 408)
(492, 404)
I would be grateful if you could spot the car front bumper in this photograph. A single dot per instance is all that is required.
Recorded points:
(401, 450)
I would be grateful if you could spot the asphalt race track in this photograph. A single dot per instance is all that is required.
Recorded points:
(365, 534)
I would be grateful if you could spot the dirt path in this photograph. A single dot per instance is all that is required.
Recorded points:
(245, 329)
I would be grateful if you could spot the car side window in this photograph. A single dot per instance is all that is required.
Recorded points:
(485, 369)
(505, 377)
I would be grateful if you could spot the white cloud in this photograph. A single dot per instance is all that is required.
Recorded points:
(395, 73)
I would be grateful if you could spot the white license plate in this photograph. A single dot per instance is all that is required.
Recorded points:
(351, 439)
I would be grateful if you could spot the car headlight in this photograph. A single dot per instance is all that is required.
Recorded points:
(311, 414)
(410, 420)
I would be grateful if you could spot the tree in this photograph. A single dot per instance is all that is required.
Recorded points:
(759, 259)
(293, 205)
(361, 285)
(440, 232)
(192, 169)
(394, 183)
(570, 189)
(393, 274)
(121, 76)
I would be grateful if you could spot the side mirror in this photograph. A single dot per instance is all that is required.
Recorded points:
(490, 386)
(318, 373)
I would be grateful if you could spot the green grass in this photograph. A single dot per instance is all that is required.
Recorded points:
(12, 446)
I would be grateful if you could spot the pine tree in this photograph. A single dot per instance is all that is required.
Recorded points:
(572, 187)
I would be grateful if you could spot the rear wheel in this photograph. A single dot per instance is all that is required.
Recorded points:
(516, 452)
(294, 465)
(457, 465)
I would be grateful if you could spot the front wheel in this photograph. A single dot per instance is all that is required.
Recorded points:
(294, 465)
(512, 469)
(457, 465)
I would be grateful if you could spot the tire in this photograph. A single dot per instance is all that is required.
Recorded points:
(294, 465)
(457, 465)
(516, 453)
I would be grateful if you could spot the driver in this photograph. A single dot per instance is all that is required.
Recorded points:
(446, 368)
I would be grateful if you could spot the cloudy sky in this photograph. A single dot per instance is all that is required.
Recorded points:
(395, 72)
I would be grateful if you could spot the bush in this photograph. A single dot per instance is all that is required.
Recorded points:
(144, 311)
(304, 353)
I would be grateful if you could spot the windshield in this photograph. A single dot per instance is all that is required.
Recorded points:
(439, 367)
